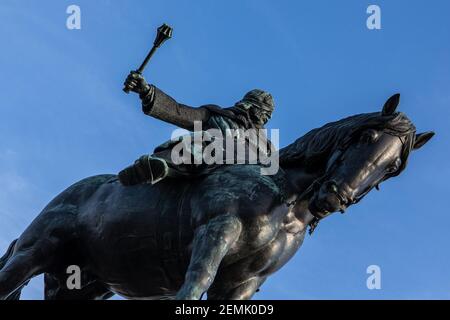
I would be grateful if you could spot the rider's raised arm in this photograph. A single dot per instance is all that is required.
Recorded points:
(161, 106)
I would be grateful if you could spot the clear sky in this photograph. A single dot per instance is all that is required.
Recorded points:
(63, 115)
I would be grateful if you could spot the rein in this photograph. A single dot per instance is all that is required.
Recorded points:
(317, 183)
(304, 196)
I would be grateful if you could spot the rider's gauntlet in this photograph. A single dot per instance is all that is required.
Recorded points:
(147, 99)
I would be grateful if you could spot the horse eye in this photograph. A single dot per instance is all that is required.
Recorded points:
(368, 136)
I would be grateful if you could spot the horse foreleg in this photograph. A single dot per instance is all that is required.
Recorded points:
(211, 243)
(244, 291)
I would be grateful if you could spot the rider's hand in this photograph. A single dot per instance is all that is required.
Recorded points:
(135, 82)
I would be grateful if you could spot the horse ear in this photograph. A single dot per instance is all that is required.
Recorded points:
(422, 138)
(391, 105)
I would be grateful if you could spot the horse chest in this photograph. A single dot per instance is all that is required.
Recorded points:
(275, 253)
(284, 246)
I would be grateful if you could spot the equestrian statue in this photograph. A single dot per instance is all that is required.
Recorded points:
(161, 230)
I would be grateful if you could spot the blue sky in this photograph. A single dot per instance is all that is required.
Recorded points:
(63, 115)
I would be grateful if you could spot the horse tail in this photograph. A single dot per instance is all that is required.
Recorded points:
(3, 261)
(8, 254)
(16, 295)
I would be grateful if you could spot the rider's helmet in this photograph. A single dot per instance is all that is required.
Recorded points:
(259, 104)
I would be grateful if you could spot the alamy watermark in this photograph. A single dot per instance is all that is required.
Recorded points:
(374, 20)
(73, 21)
(231, 146)
(73, 281)
(374, 280)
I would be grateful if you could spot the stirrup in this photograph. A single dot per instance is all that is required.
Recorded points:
(158, 169)
(146, 169)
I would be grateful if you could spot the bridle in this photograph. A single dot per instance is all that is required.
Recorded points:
(316, 184)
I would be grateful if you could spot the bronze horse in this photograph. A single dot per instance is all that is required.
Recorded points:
(222, 234)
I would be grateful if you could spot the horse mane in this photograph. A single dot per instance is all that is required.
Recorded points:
(319, 144)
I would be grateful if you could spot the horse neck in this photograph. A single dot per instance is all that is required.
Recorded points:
(300, 179)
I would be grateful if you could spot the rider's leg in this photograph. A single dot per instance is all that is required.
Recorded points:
(147, 169)
(212, 242)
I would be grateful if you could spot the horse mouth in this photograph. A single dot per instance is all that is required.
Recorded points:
(318, 209)
(322, 205)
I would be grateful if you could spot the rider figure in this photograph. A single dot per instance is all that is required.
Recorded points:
(252, 112)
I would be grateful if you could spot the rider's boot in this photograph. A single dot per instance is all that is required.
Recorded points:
(146, 169)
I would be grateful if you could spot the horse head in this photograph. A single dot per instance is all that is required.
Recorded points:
(373, 151)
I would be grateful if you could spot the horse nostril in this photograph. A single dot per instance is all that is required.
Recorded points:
(332, 187)
(342, 200)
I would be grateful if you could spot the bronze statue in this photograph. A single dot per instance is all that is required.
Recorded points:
(222, 234)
